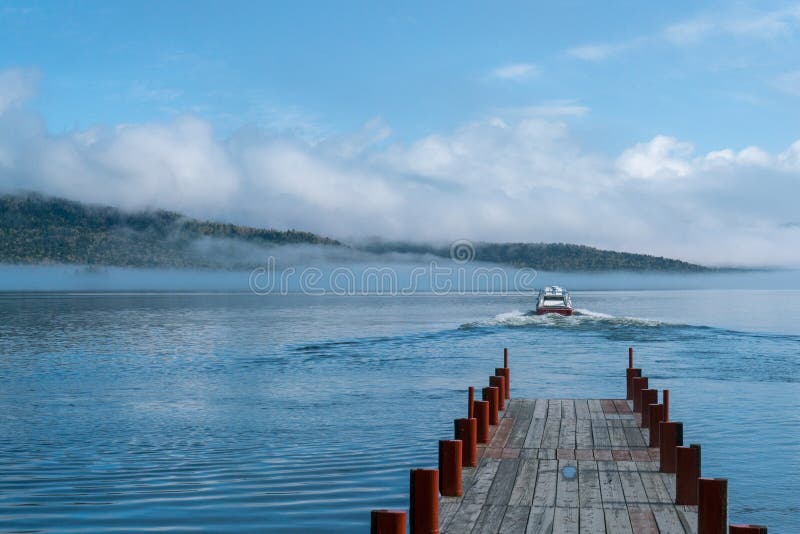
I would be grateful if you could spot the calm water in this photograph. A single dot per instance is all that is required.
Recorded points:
(234, 412)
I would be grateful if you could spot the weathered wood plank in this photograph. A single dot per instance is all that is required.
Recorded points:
(600, 437)
(688, 518)
(464, 519)
(632, 487)
(566, 434)
(554, 409)
(540, 409)
(667, 518)
(503, 484)
(525, 483)
(546, 481)
(582, 409)
(565, 521)
(654, 488)
(610, 485)
(533, 440)
(567, 409)
(583, 434)
(515, 520)
(592, 520)
(522, 421)
(540, 520)
(596, 409)
(490, 518)
(567, 488)
(633, 435)
(617, 521)
(482, 482)
(617, 435)
(552, 426)
(589, 495)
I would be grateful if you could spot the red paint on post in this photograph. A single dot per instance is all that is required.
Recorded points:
(450, 451)
(387, 522)
(712, 506)
(424, 502)
(647, 397)
(490, 395)
(629, 376)
(630, 357)
(747, 529)
(687, 472)
(665, 395)
(467, 432)
(639, 383)
(470, 406)
(505, 357)
(671, 434)
(656, 416)
(499, 382)
(482, 418)
(505, 372)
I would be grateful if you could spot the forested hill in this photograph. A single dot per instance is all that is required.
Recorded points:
(36, 229)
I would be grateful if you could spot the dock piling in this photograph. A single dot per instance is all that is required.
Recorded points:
(671, 434)
(490, 395)
(656, 417)
(467, 431)
(387, 522)
(470, 406)
(665, 402)
(450, 454)
(648, 397)
(712, 506)
(505, 372)
(630, 357)
(424, 502)
(482, 418)
(639, 383)
(687, 472)
(500, 383)
(630, 374)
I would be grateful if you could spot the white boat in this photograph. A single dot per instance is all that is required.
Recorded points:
(554, 299)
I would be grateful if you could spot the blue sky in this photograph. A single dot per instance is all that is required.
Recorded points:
(604, 103)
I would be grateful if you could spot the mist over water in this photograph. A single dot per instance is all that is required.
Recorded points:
(230, 412)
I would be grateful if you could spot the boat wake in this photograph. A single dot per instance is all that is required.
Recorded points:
(579, 318)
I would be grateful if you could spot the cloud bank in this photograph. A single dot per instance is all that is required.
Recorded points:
(515, 175)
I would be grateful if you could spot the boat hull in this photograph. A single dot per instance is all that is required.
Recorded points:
(560, 311)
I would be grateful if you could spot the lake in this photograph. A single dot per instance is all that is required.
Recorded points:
(234, 412)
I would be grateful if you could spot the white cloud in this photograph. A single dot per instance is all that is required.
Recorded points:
(17, 86)
(519, 175)
(515, 72)
(595, 52)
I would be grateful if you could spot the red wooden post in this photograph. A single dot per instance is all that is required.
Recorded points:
(747, 529)
(656, 416)
(687, 472)
(499, 382)
(665, 396)
(450, 451)
(671, 434)
(490, 395)
(712, 506)
(630, 357)
(505, 372)
(471, 407)
(505, 357)
(639, 383)
(424, 502)
(467, 432)
(387, 522)
(647, 397)
(629, 376)
(482, 418)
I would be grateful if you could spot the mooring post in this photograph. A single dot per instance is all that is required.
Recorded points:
(671, 434)
(630, 374)
(712, 506)
(424, 501)
(387, 522)
(687, 472)
(470, 406)
(505, 372)
(499, 382)
(665, 396)
(490, 395)
(482, 418)
(747, 529)
(648, 397)
(639, 383)
(656, 417)
(630, 357)
(467, 431)
(450, 453)
(505, 357)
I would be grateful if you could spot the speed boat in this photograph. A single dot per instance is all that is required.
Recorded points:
(554, 299)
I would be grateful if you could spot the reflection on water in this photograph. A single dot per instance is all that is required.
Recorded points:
(235, 412)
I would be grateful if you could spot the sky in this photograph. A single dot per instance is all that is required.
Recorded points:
(668, 128)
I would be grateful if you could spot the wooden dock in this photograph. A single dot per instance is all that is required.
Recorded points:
(563, 466)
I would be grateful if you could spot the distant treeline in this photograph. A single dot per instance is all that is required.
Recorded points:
(37, 229)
